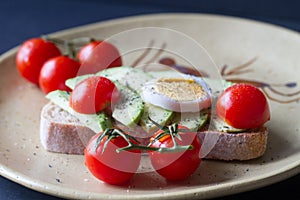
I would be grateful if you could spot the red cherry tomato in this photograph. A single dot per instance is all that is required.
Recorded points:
(32, 55)
(93, 95)
(98, 55)
(55, 72)
(176, 165)
(243, 106)
(110, 166)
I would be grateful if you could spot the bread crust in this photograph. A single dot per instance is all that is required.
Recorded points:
(234, 146)
(62, 133)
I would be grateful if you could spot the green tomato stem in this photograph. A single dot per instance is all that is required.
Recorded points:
(70, 47)
(171, 130)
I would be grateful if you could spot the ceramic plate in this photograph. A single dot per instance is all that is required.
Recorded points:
(263, 54)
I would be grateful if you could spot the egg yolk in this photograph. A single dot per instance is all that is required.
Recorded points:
(180, 89)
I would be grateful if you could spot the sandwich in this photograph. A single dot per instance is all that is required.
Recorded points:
(156, 97)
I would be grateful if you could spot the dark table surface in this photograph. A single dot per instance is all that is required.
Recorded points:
(20, 20)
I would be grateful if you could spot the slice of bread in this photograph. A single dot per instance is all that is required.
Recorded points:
(63, 133)
(233, 146)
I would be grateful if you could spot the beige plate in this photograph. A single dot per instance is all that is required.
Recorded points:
(274, 65)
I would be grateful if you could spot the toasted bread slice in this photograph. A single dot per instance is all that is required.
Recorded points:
(63, 133)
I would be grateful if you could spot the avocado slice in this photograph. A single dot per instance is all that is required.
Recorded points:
(132, 112)
(130, 77)
(96, 122)
(159, 115)
(72, 82)
(129, 109)
(193, 121)
(133, 78)
(222, 126)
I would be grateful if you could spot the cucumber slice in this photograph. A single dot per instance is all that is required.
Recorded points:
(157, 114)
(96, 122)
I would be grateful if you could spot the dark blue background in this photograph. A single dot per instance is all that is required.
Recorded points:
(20, 20)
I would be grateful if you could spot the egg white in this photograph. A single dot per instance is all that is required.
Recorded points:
(151, 95)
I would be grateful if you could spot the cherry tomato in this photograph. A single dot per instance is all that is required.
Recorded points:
(110, 166)
(55, 72)
(243, 106)
(93, 95)
(179, 165)
(32, 55)
(98, 55)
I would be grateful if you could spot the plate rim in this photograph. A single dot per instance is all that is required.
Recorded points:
(154, 16)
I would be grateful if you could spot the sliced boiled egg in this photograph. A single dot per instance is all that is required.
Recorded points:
(184, 93)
